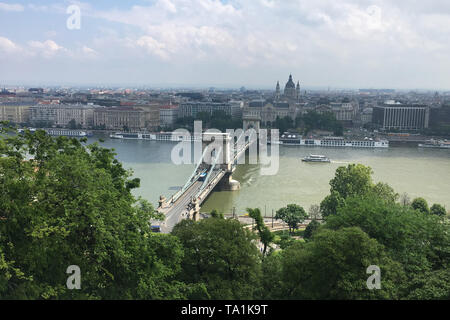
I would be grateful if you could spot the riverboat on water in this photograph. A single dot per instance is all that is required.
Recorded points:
(316, 158)
(440, 144)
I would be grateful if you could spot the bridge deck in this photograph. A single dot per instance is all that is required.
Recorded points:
(181, 208)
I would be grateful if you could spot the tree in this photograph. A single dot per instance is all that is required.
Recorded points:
(331, 203)
(354, 180)
(216, 214)
(264, 233)
(283, 124)
(311, 228)
(293, 214)
(432, 285)
(405, 200)
(66, 203)
(421, 205)
(417, 240)
(438, 210)
(314, 212)
(220, 254)
(272, 281)
(385, 192)
(334, 264)
(72, 124)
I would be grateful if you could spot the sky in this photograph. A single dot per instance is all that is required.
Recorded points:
(401, 44)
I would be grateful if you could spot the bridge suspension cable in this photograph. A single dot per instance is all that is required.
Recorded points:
(213, 165)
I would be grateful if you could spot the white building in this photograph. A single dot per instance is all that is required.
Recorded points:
(62, 114)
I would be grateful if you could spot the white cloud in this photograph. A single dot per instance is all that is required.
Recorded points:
(153, 46)
(47, 49)
(326, 41)
(14, 7)
(7, 46)
(86, 52)
(280, 28)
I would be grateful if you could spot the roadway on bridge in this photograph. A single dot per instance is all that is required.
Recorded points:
(179, 210)
(176, 211)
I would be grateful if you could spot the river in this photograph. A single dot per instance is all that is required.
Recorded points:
(415, 171)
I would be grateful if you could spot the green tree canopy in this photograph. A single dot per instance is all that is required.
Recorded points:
(419, 241)
(64, 203)
(420, 204)
(311, 228)
(354, 180)
(264, 233)
(272, 279)
(334, 265)
(438, 210)
(293, 214)
(219, 253)
(216, 214)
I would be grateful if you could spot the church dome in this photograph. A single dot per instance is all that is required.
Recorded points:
(290, 84)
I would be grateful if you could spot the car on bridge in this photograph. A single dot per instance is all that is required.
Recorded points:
(202, 177)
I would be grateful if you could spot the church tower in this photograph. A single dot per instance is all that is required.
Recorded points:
(297, 90)
(277, 91)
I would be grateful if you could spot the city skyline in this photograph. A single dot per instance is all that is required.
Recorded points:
(227, 44)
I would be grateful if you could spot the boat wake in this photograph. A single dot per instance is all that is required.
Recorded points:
(340, 162)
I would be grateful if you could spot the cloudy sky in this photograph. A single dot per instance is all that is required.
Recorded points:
(228, 43)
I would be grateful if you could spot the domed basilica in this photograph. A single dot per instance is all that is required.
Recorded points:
(291, 92)
(280, 106)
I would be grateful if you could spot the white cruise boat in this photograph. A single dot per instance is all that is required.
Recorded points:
(440, 144)
(162, 136)
(316, 158)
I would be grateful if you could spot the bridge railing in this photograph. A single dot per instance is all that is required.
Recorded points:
(194, 176)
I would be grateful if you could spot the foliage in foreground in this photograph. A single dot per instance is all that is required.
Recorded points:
(62, 204)
(220, 254)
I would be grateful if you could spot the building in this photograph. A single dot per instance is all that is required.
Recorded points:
(168, 115)
(291, 91)
(127, 118)
(268, 110)
(62, 115)
(15, 112)
(43, 114)
(82, 115)
(344, 111)
(397, 116)
(440, 116)
(366, 115)
(191, 109)
(152, 118)
(119, 118)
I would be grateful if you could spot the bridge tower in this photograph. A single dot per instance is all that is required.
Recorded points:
(251, 119)
(227, 183)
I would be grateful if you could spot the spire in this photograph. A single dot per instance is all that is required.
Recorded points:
(277, 90)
